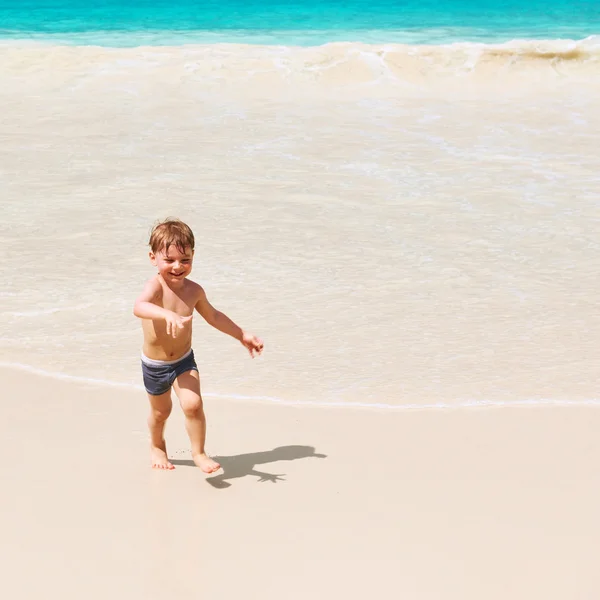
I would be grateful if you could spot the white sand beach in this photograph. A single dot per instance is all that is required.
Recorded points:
(413, 233)
(312, 502)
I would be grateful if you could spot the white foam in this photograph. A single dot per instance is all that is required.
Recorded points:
(46, 311)
(33, 313)
(524, 402)
(332, 65)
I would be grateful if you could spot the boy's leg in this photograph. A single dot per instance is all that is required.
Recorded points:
(187, 388)
(160, 409)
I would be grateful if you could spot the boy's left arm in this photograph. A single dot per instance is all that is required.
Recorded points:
(223, 323)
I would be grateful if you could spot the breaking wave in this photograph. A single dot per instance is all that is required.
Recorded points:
(333, 65)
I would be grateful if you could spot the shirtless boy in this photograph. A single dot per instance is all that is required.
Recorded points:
(166, 306)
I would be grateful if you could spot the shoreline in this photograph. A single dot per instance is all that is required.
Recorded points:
(272, 401)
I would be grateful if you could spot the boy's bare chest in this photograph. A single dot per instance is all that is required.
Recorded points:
(181, 303)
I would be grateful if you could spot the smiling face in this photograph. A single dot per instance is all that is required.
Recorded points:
(173, 265)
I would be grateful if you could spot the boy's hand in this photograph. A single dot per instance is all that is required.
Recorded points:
(252, 343)
(175, 322)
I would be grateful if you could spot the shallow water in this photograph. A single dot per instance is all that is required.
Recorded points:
(402, 225)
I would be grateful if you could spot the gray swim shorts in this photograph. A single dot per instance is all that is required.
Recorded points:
(159, 375)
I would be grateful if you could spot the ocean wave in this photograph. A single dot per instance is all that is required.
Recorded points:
(333, 64)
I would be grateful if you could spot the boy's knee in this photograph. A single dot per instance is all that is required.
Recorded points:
(192, 409)
(160, 415)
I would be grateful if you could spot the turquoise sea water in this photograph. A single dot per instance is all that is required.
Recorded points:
(296, 22)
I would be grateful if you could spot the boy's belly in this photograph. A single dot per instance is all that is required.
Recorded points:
(160, 346)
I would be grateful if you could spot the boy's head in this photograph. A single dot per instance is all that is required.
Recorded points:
(172, 249)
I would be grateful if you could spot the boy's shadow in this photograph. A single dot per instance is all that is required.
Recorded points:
(244, 464)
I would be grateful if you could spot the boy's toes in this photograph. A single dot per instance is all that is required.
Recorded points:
(207, 464)
(160, 460)
(211, 466)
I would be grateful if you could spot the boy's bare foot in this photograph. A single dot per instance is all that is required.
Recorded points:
(206, 463)
(159, 458)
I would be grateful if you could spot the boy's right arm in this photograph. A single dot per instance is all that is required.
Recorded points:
(145, 307)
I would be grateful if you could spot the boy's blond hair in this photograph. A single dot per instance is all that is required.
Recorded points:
(171, 232)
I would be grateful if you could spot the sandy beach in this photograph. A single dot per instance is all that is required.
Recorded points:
(312, 502)
(413, 232)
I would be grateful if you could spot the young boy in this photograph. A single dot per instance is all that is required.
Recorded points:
(166, 306)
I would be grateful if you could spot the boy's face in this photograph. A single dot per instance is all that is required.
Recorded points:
(172, 264)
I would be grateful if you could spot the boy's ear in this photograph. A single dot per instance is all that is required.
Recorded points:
(152, 257)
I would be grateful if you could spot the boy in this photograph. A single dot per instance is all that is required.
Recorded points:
(166, 306)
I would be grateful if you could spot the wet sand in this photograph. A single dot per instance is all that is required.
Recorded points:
(312, 502)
